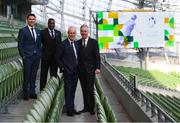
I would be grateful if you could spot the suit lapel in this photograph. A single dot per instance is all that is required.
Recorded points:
(37, 35)
(29, 33)
(55, 33)
(88, 43)
(70, 48)
(77, 49)
(67, 43)
(47, 32)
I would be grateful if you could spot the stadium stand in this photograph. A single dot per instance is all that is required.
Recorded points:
(138, 95)
(152, 78)
(170, 104)
(11, 76)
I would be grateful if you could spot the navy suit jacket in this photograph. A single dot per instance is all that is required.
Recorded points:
(66, 58)
(26, 45)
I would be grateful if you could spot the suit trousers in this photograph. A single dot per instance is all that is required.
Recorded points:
(87, 83)
(45, 65)
(70, 84)
(30, 65)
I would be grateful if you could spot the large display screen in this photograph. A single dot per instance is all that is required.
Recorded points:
(135, 29)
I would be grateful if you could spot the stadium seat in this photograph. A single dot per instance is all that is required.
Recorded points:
(29, 118)
(35, 114)
(49, 103)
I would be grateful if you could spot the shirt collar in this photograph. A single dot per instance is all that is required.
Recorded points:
(50, 30)
(86, 39)
(70, 41)
(30, 27)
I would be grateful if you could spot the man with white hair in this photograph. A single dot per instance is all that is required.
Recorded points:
(67, 58)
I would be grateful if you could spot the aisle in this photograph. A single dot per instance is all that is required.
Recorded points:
(117, 107)
(83, 117)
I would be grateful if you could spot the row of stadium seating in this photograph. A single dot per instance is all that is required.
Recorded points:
(48, 106)
(8, 43)
(175, 74)
(104, 110)
(11, 69)
(5, 24)
(152, 78)
(170, 104)
(4, 30)
(7, 39)
(8, 54)
(11, 78)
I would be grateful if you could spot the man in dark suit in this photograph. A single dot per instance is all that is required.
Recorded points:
(67, 57)
(50, 39)
(89, 65)
(29, 45)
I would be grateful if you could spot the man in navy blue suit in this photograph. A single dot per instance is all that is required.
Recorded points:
(67, 58)
(29, 45)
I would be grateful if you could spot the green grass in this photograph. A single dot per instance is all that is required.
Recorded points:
(175, 74)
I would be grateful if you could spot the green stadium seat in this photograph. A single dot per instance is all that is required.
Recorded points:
(29, 118)
(35, 114)
(41, 111)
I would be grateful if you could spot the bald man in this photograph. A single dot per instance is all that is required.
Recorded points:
(67, 61)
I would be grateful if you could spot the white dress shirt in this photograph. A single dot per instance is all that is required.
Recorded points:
(74, 48)
(51, 33)
(86, 41)
(35, 35)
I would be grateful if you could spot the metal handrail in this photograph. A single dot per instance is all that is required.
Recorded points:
(138, 96)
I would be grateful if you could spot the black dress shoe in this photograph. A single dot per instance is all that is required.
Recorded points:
(76, 112)
(84, 110)
(92, 112)
(70, 113)
(33, 96)
(26, 97)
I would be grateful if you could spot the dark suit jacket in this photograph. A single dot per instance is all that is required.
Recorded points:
(48, 44)
(26, 44)
(89, 58)
(66, 58)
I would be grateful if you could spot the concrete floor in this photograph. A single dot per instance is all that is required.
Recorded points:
(17, 111)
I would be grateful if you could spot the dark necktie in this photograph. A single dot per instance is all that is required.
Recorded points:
(52, 35)
(71, 43)
(33, 34)
(83, 43)
(74, 50)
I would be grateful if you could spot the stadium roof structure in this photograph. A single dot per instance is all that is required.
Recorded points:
(71, 12)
